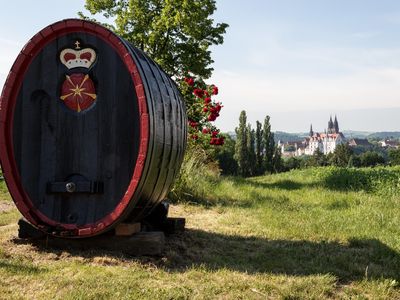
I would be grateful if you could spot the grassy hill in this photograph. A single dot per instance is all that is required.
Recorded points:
(356, 134)
(289, 137)
(323, 233)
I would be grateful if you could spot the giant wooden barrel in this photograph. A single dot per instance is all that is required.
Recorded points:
(93, 132)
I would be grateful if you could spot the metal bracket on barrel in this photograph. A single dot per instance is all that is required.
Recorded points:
(91, 187)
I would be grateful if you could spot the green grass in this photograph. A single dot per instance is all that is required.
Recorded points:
(322, 233)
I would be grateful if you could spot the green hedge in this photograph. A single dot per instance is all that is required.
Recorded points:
(379, 180)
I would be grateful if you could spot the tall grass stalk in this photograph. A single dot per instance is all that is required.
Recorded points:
(197, 176)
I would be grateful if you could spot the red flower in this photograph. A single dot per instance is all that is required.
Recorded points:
(215, 90)
(214, 133)
(205, 130)
(217, 141)
(212, 117)
(189, 81)
(205, 109)
(199, 93)
(194, 136)
(207, 100)
(193, 124)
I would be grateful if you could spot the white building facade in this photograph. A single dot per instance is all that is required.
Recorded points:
(324, 142)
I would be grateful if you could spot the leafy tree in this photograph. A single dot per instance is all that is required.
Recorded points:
(251, 158)
(225, 157)
(259, 145)
(241, 152)
(394, 156)
(277, 162)
(359, 149)
(341, 155)
(354, 161)
(269, 145)
(318, 159)
(177, 34)
(329, 158)
(291, 163)
(371, 158)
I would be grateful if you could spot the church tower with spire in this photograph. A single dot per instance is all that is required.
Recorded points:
(336, 125)
(331, 128)
(327, 141)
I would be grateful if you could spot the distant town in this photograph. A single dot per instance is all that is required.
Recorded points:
(327, 141)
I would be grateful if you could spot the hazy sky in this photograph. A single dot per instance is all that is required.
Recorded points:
(298, 61)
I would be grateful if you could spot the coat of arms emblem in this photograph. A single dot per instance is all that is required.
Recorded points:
(78, 91)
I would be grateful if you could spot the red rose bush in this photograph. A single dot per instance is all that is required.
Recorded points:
(202, 110)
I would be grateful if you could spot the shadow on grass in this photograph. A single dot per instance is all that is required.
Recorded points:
(357, 260)
(283, 184)
(360, 259)
(19, 268)
(253, 199)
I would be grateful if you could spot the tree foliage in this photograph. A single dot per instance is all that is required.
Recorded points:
(251, 152)
(255, 150)
(292, 163)
(177, 34)
(225, 157)
(241, 153)
(394, 156)
(354, 161)
(269, 145)
(318, 159)
(259, 146)
(341, 155)
(371, 159)
(277, 162)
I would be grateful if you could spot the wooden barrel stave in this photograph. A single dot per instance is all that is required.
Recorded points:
(166, 125)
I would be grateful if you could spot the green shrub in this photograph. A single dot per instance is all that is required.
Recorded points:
(378, 180)
(197, 176)
(394, 156)
(371, 158)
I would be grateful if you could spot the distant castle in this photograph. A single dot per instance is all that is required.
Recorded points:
(325, 142)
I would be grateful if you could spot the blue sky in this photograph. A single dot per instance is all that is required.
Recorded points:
(298, 61)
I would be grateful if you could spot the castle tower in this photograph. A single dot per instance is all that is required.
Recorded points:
(336, 125)
(311, 131)
(330, 126)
